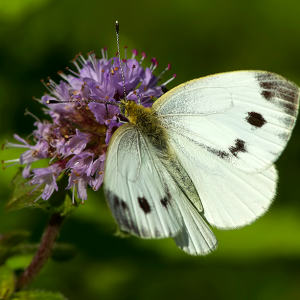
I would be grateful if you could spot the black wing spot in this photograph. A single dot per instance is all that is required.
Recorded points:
(124, 205)
(166, 200)
(288, 122)
(221, 154)
(144, 205)
(238, 147)
(268, 85)
(116, 201)
(268, 95)
(290, 95)
(284, 136)
(286, 92)
(256, 119)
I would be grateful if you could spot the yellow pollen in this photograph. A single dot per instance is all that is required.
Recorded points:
(66, 136)
(116, 68)
(100, 172)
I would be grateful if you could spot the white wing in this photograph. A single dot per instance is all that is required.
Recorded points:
(227, 130)
(136, 189)
(196, 237)
(144, 198)
(230, 197)
(244, 118)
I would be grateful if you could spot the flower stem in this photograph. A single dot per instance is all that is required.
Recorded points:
(43, 253)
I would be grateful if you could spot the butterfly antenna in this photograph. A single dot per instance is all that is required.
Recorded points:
(119, 55)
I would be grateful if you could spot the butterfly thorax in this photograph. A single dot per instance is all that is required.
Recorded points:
(147, 123)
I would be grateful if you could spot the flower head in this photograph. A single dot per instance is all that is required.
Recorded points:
(76, 139)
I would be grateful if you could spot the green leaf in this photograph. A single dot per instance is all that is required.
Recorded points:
(9, 242)
(23, 197)
(37, 295)
(7, 282)
(20, 196)
(18, 263)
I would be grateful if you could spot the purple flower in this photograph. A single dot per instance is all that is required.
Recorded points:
(76, 140)
(48, 177)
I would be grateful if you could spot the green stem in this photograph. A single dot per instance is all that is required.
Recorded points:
(43, 253)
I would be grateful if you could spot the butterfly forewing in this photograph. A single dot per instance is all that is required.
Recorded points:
(247, 122)
(229, 150)
(138, 187)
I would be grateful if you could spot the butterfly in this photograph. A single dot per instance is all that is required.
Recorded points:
(202, 155)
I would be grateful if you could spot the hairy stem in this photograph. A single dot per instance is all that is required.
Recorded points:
(43, 253)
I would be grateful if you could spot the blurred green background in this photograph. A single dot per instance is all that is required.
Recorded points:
(201, 37)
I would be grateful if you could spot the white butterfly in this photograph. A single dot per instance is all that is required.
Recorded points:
(203, 154)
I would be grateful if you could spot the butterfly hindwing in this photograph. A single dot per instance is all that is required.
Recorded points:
(196, 238)
(138, 188)
(244, 118)
(231, 198)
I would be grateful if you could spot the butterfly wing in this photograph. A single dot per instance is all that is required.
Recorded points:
(196, 238)
(231, 197)
(227, 130)
(144, 198)
(136, 189)
(244, 118)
